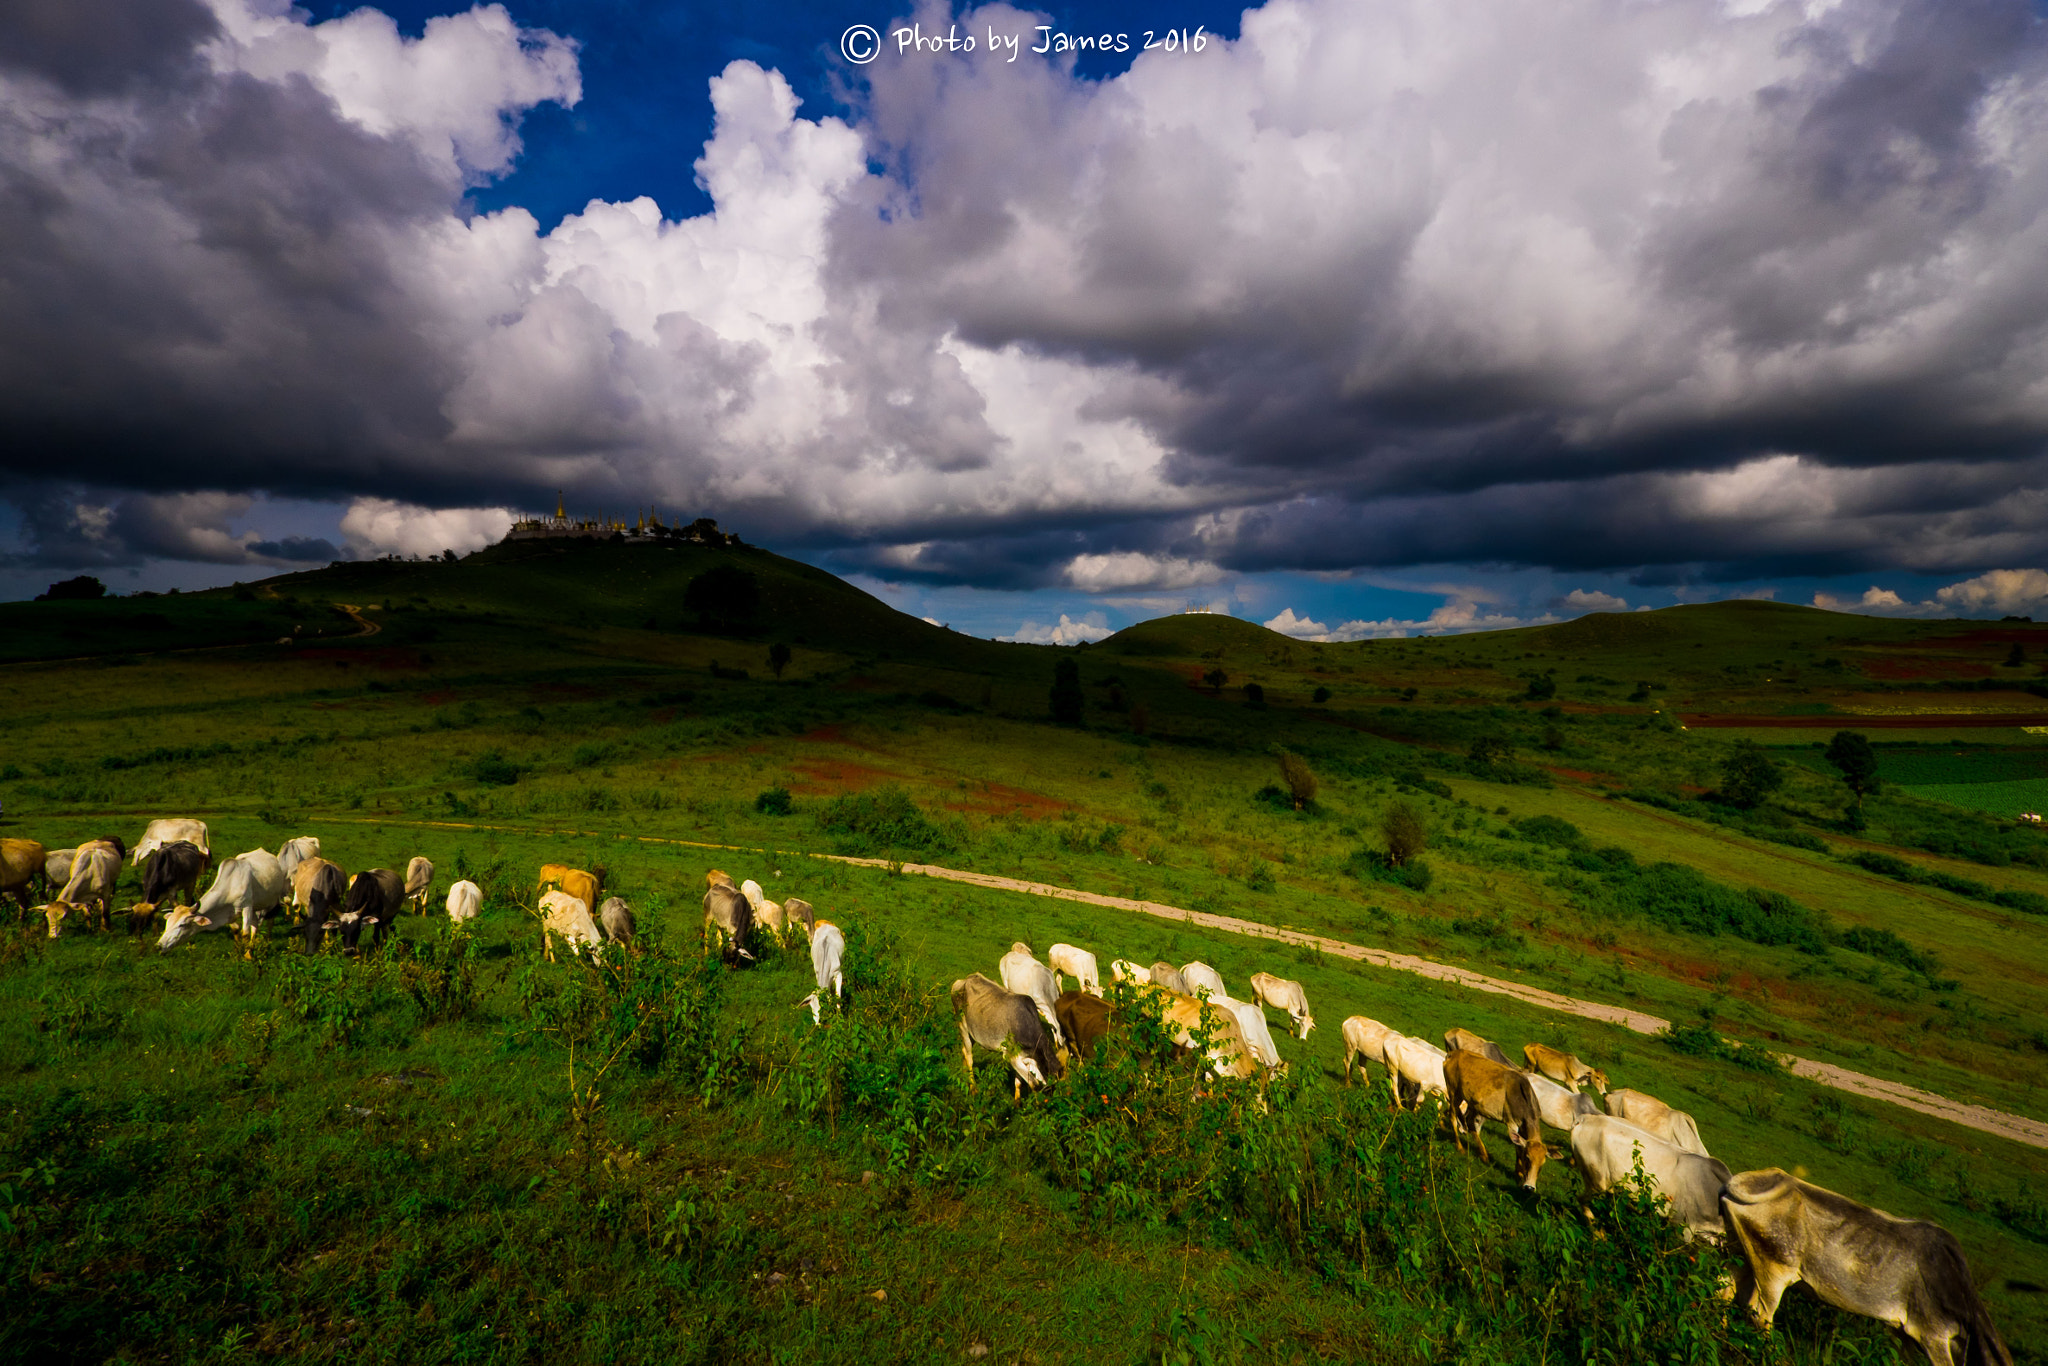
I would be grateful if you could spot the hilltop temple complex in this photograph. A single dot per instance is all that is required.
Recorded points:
(647, 527)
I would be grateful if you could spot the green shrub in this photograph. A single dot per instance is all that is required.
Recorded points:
(1702, 1040)
(885, 821)
(493, 768)
(776, 801)
(1552, 830)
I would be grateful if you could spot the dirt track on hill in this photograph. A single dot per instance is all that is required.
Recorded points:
(2018, 1128)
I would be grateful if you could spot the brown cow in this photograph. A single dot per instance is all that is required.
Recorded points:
(1907, 1273)
(1562, 1066)
(21, 865)
(1229, 1055)
(1481, 1089)
(1084, 1018)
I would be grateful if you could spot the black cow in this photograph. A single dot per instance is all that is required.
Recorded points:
(173, 868)
(374, 899)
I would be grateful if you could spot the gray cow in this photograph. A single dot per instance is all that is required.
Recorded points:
(1008, 1023)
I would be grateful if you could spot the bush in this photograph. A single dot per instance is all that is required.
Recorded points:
(1300, 779)
(1749, 775)
(1401, 826)
(1373, 865)
(1702, 1040)
(1066, 698)
(1254, 695)
(883, 822)
(493, 768)
(775, 801)
(1883, 944)
(1551, 830)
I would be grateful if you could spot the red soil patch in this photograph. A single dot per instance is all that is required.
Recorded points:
(828, 776)
(1992, 635)
(1926, 721)
(1581, 775)
(997, 799)
(437, 699)
(1896, 668)
(385, 657)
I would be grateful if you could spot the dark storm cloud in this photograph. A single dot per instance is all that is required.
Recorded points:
(1592, 285)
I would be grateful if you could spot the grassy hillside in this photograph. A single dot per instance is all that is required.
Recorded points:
(546, 701)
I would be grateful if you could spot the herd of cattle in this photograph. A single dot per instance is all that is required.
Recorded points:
(1909, 1274)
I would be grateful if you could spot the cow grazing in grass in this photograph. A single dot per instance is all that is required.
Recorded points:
(57, 866)
(169, 831)
(1415, 1066)
(1186, 1017)
(1124, 970)
(1457, 1040)
(1560, 1106)
(800, 914)
(94, 871)
(1021, 972)
(1906, 1273)
(616, 918)
(828, 954)
(1647, 1112)
(374, 900)
(173, 868)
(1008, 1023)
(1606, 1149)
(586, 887)
(1067, 961)
(1365, 1040)
(1562, 1066)
(465, 899)
(569, 917)
(1168, 976)
(320, 888)
(1251, 1023)
(294, 852)
(1084, 1018)
(1287, 996)
(1479, 1089)
(22, 865)
(1200, 977)
(419, 883)
(245, 890)
(728, 919)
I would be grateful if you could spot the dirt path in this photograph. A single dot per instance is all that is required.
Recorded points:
(2015, 1127)
(370, 628)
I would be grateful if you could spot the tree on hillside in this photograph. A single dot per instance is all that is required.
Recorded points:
(1406, 836)
(726, 598)
(1542, 688)
(83, 587)
(778, 657)
(1749, 775)
(1856, 761)
(2016, 656)
(1300, 779)
(1490, 752)
(1216, 678)
(1066, 693)
(1254, 695)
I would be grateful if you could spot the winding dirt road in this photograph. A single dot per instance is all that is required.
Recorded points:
(2015, 1127)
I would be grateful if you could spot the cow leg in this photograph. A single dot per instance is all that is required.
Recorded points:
(967, 1052)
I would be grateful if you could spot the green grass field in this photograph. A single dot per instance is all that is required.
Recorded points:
(187, 1133)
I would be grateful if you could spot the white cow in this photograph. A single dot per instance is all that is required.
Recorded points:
(57, 866)
(1418, 1063)
(569, 917)
(1027, 976)
(294, 852)
(246, 888)
(170, 831)
(1124, 970)
(1067, 961)
(1648, 1112)
(1251, 1022)
(828, 950)
(1562, 1107)
(1200, 977)
(95, 868)
(1282, 994)
(465, 899)
(1366, 1041)
(1606, 1148)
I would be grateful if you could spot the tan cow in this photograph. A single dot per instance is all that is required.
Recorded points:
(22, 863)
(1907, 1273)
(587, 888)
(1418, 1063)
(1648, 1112)
(728, 917)
(1366, 1041)
(170, 831)
(1228, 1055)
(1481, 1089)
(1607, 1149)
(419, 882)
(1562, 1066)
(1200, 977)
(1287, 996)
(1456, 1040)
(94, 872)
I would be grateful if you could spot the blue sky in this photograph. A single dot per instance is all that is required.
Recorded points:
(1363, 319)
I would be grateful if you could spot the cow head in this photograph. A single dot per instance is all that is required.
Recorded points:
(1529, 1162)
(182, 924)
(1599, 1080)
(1307, 1023)
(1026, 1068)
(141, 916)
(55, 913)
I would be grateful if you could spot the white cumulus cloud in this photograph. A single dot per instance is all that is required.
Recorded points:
(1066, 631)
(2008, 592)
(1590, 600)
(379, 526)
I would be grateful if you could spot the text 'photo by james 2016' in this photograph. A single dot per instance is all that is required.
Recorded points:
(1125, 683)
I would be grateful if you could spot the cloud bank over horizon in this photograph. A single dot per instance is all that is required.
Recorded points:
(1680, 293)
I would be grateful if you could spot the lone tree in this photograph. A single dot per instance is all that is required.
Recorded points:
(778, 658)
(1749, 775)
(1216, 678)
(1406, 836)
(1491, 751)
(1300, 779)
(1541, 688)
(83, 587)
(726, 598)
(2016, 656)
(1856, 761)
(1066, 693)
(1320, 695)
(1254, 695)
